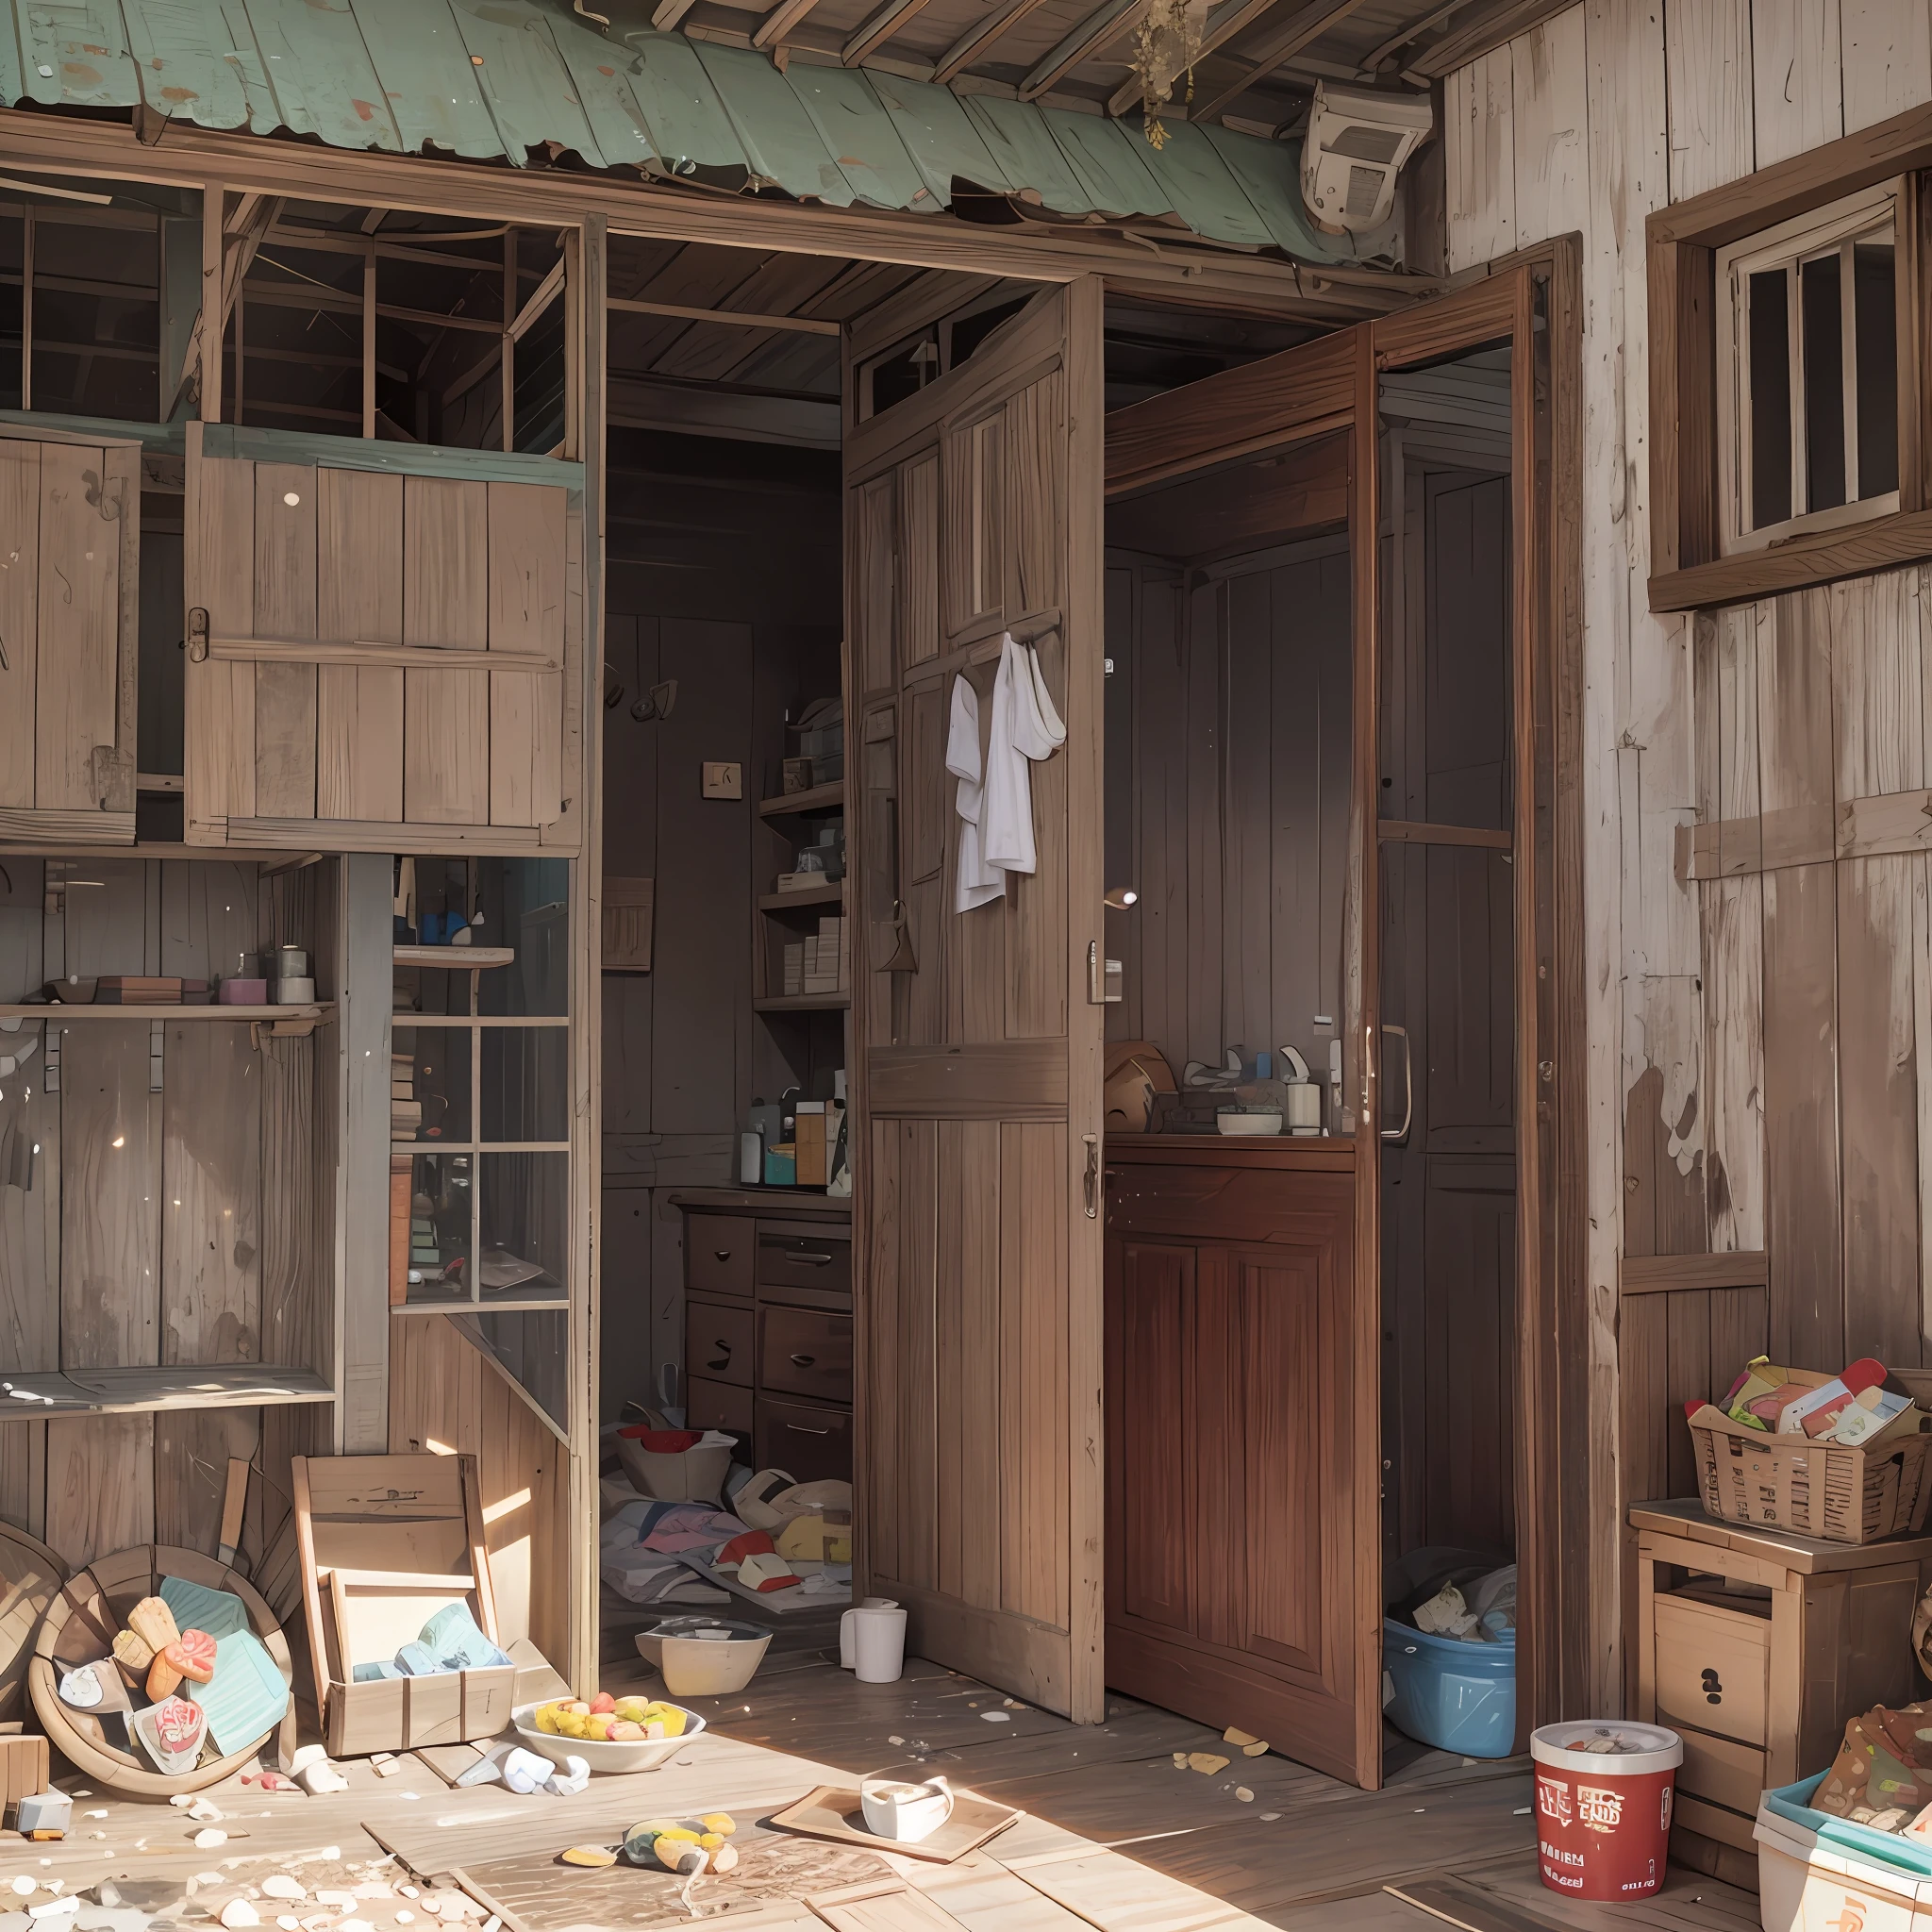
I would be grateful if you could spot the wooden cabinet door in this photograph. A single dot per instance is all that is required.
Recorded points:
(1233, 1593)
(69, 577)
(973, 509)
(380, 661)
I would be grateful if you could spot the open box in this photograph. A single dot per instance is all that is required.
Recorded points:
(385, 1542)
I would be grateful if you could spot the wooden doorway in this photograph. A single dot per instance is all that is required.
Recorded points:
(1195, 1616)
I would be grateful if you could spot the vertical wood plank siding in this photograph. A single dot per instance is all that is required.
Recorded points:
(1760, 1075)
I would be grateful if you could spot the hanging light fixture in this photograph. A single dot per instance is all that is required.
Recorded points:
(1166, 44)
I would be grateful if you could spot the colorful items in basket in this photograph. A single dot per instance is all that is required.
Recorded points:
(1853, 1408)
(1882, 1776)
(176, 1684)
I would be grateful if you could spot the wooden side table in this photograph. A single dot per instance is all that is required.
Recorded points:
(1761, 1652)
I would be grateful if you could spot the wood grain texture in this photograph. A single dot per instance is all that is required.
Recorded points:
(358, 757)
(20, 519)
(285, 607)
(446, 602)
(78, 623)
(220, 702)
(528, 574)
(1797, 84)
(100, 1495)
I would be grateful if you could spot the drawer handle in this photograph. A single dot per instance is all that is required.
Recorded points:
(800, 1429)
(720, 1254)
(723, 1360)
(811, 1261)
(805, 1361)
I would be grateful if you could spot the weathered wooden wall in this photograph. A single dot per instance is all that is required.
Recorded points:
(1228, 794)
(745, 637)
(179, 1208)
(1754, 1070)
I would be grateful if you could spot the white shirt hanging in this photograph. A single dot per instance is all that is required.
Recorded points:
(978, 883)
(1025, 728)
(995, 806)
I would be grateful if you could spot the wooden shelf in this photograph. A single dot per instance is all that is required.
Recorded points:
(491, 1304)
(802, 1002)
(799, 900)
(457, 959)
(320, 1010)
(124, 1391)
(793, 804)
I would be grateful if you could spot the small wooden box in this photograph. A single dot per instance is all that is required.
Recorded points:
(24, 1769)
(1760, 1657)
(385, 1540)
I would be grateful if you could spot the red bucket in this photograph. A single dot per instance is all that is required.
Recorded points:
(1603, 1818)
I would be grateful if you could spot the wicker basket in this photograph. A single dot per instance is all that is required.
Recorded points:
(1842, 1495)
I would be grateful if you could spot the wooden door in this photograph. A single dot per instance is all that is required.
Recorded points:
(380, 661)
(70, 587)
(973, 510)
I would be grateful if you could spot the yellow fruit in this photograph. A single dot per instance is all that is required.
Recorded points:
(632, 1707)
(669, 1716)
(651, 1827)
(569, 1724)
(711, 1840)
(546, 1719)
(594, 1856)
(721, 1822)
(679, 1831)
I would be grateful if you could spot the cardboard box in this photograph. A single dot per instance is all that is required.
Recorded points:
(386, 1540)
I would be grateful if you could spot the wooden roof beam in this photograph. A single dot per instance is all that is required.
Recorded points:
(1095, 35)
(1222, 24)
(880, 28)
(977, 41)
(1278, 49)
(670, 12)
(781, 21)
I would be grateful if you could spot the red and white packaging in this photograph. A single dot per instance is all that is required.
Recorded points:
(1603, 1817)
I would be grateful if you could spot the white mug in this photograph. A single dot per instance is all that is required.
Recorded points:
(903, 1810)
(848, 1656)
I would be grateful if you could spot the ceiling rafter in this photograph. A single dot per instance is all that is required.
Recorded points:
(1277, 50)
(781, 21)
(977, 41)
(1222, 24)
(670, 12)
(1095, 35)
(880, 28)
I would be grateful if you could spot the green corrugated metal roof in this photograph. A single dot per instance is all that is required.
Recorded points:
(489, 79)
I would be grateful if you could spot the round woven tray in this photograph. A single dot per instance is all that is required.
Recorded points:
(79, 1628)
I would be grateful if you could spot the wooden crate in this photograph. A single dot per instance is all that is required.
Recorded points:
(24, 1769)
(385, 1540)
(1758, 1660)
(1845, 1496)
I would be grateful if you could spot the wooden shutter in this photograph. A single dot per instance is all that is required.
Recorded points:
(69, 577)
(380, 662)
(973, 508)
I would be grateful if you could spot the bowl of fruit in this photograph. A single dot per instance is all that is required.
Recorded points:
(607, 1733)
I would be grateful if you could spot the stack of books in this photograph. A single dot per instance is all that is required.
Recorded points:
(821, 963)
(425, 1257)
(405, 1109)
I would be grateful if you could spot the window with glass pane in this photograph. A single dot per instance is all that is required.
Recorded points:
(480, 1066)
(1809, 398)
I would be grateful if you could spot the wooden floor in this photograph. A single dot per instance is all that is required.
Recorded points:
(1117, 1837)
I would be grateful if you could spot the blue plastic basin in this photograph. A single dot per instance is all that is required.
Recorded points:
(1457, 1696)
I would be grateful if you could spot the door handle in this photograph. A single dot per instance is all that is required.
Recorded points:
(1092, 1175)
(1400, 1134)
(800, 1429)
(812, 1260)
(720, 1254)
(805, 1361)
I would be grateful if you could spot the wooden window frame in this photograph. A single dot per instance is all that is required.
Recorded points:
(1689, 321)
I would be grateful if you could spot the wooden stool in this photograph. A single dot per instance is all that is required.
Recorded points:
(1758, 1659)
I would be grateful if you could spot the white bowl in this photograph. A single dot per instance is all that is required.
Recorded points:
(1228, 1120)
(648, 1756)
(703, 1657)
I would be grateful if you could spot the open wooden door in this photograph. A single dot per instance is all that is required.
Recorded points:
(973, 514)
(382, 652)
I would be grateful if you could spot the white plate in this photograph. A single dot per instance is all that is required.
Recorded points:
(648, 1756)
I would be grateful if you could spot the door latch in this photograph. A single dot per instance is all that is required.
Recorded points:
(197, 635)
(1092, 1177)
(1102, 977)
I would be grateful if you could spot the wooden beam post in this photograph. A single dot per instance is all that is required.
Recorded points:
(213, 244)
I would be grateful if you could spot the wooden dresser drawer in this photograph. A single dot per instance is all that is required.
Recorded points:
(802, 1351)
(1721, 1772)
(719, 1342)
(717, 1405)
(812, 1444)
(793, 1256)
(717, 1253)
(1713, 1669)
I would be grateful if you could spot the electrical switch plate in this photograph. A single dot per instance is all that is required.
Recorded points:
(724, 781)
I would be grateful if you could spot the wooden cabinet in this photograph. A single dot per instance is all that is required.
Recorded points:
(381, 661)
(767, 1324)
(1756, 1646)
(70, 512)
(1229, 1355)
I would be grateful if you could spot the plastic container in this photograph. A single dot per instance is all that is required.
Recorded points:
(703, 1657)
(1455, 1695)
(1602, 1819)
(1817, 1869)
